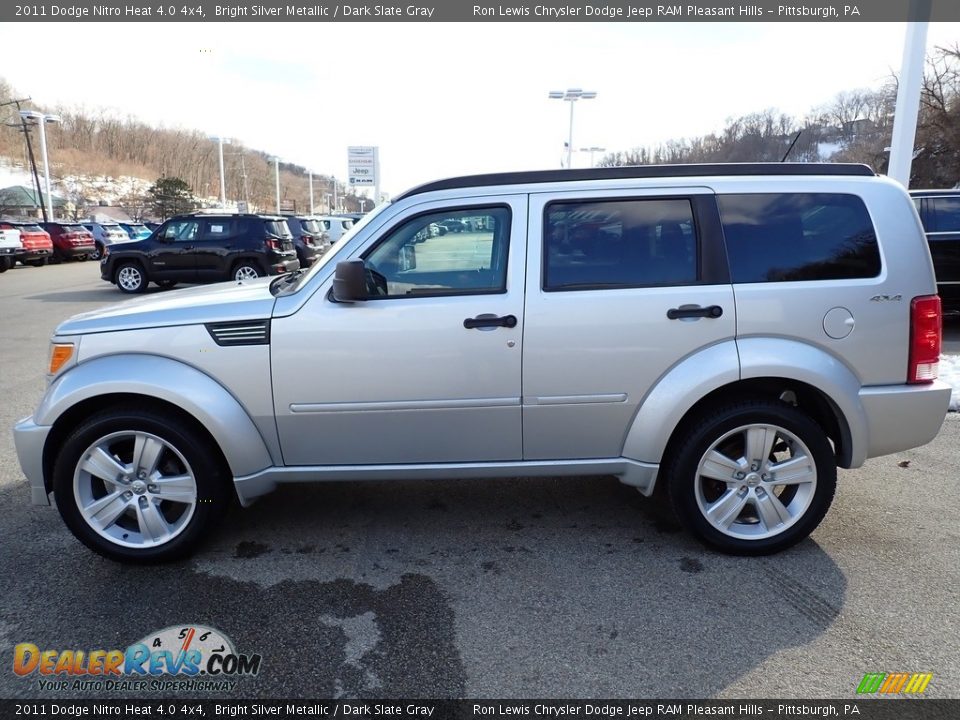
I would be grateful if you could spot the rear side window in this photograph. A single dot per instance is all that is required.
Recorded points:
(779, 237)
(944, 214)
(619, 244)
(277, 228)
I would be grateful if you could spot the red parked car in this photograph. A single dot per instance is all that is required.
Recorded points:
(37, 245)
(70, 240)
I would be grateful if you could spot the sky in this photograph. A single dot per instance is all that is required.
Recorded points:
(445, 99)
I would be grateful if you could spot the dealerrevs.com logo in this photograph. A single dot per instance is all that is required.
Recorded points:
(179, 657)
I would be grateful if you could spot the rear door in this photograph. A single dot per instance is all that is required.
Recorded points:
(214, 247)
(621, 286)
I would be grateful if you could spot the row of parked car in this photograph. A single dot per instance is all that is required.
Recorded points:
(210, 246)
(167, 258)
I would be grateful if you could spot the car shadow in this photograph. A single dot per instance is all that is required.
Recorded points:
(573, 587)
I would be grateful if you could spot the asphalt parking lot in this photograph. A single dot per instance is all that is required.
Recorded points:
(510, 588)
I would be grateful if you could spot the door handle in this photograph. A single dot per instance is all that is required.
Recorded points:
(694, 311)
(490, 321)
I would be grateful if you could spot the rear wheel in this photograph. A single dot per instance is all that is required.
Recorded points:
(752, 478)
(97, 252)
(138, 485)
(37, 263)
(130, 277)
(247, 270)
(166, 284)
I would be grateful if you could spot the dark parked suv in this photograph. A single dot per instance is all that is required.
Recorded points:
(309, 239)
(202, 248)
(940, 214)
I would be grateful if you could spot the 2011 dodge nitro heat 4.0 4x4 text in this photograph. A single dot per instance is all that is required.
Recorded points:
(732, 333)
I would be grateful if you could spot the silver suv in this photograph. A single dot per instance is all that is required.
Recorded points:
(729, 333)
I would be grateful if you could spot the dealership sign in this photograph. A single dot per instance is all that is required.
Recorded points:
(363, 165)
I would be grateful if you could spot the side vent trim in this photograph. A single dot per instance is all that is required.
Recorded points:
(240, 332)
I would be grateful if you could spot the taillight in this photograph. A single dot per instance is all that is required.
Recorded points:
(273, 244)
(925, 335)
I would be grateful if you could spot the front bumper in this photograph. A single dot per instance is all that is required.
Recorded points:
(29, 439)
(900, 417)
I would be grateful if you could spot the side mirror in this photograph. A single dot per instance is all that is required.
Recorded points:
(349, 282)
(408, 257)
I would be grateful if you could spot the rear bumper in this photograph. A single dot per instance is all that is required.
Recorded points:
(29, 439)
(72, 252)
(900, 417)
(33, 253)
(281, 265)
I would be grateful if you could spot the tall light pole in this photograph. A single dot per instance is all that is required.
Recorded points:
(592, 149)
(571, 95)
(221, 141)
(310, 172)
(276, 169)
(41, 119)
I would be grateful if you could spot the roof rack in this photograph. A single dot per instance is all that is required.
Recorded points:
(642, 171)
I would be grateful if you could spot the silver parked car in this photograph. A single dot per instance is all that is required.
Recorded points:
(733, 333)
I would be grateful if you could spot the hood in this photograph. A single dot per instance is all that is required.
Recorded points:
(249, 300)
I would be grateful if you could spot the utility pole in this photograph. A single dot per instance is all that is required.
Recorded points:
(33, 162)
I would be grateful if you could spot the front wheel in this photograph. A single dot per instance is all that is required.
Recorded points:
(166, 284)
(131, 278)
(752, 478)
(138, 485)
(246, 270)
(5, 264)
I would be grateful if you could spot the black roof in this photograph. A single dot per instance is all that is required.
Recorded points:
(949, 192)
(642, 171)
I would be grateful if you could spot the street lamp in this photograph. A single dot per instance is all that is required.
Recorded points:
(571, 96)
(276, 168)
(41, 119)
(310, 173)
(592, 149)
(221, 141)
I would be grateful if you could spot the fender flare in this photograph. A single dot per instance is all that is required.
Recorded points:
(678, 390)
(179, 384)
(697, 375)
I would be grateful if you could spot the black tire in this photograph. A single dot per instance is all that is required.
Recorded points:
(130, 277)
(40, 262)
(246, 266)
(680, 472)
(5, 264)
(97, 252)
(80, 258)
(213, 495)
(166, 284)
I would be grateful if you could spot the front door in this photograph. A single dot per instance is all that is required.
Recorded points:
(427, 370)
(621, 286)
(172, 256)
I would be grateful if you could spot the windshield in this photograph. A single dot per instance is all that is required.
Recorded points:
(31, 228)
(325, 259)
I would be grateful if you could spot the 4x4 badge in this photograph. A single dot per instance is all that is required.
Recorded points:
(886, 298)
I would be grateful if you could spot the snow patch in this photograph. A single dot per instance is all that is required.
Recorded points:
(950, 374)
